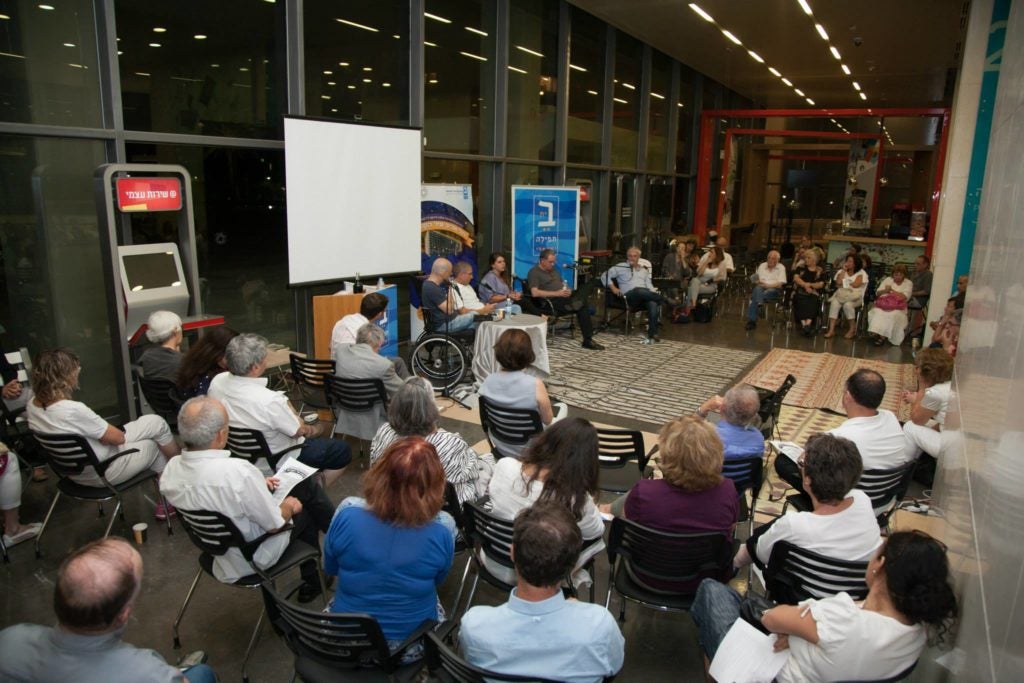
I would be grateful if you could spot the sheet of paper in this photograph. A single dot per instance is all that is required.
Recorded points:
(289, 473)
(788, 449)
(746, 656)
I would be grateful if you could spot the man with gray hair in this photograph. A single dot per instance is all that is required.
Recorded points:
(738, 426)
(466, 298)
(252, 405)
(362, 360)
(206, 477)
(161, 361)
(769, 281)
(633, 282)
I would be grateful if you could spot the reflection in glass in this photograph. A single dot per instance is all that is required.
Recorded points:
(469, 173)
(53, 283)
(532, 78)
(629, 54)
(459, 63)
(588, 205)
(206, 68)
(48, 71)
(660, 111)
(684, 109)
(241, 233)
(586, 83)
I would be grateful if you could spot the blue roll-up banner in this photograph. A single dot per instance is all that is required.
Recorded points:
(389, 322)
(545, 218)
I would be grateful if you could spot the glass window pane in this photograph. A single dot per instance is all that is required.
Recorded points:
(53, 283)
(629, 59)
(357, 60)
(660, 111)
(48, 68)
(458, 103)
(532, 78)
(586, 83)
(241, 238)
(589, 206)
(209, 68)
(684, 109)
(467, 173)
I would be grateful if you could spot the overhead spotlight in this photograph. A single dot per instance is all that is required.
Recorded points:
(799, 92)
(835, 52)
(703, 15)
(821, 32)
(810, 101)
(846, 69)
(756, 57)
(787, 82)
(805, 7)
(863, 96)
(856, 86)
(775, 72)
(731, 37)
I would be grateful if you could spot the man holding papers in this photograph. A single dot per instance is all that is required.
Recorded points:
(205, 477)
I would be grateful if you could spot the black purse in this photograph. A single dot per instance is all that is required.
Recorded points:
(752, 609)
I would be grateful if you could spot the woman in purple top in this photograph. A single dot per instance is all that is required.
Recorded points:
(495, 288)
(692, 496)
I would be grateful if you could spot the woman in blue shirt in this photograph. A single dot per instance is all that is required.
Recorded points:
(392, 548)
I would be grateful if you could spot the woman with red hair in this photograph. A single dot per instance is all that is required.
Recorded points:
(393, 547)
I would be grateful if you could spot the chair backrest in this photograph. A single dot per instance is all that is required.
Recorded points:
(447, 666)
(212, 532)
(771, 402)
(162, 396)
(354, 395)
(616, 447)
(796, 574)
(666, 556)
(892, 679)
(491, 534)
(309, 373)
(69, 454)
(251, 445)
(885, 488)
(346, 640)
(745, 473)
(514, 426)
(23, 364)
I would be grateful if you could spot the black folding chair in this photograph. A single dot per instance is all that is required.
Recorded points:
(617, 451)
(351, 397)
(447, 666)
(746, 473)
(513, 426)
(635, 550)
(69, 456)
(617, 302)
(795, 574)
(330, 647)
(308, 375)
(251, 445)
(163, 397)
(903, 675)
(885, 488)
(215, 534)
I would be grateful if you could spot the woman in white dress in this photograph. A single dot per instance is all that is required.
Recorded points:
(891, 324)
(934, 370)
(851, 281)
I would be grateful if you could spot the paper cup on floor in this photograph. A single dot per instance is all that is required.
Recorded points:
(140, 530)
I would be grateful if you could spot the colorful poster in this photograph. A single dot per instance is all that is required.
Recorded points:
(389, 322)
(446, 230)
(861, 172)
(545, 218)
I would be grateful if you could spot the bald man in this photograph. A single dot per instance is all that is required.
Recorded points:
(441, 311)
(97, 586)
(769, 281)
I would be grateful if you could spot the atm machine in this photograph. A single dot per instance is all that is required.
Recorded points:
(142, 278)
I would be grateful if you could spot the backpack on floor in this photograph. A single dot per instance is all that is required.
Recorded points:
(701, 313)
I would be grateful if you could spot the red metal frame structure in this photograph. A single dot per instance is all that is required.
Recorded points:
(705, 149)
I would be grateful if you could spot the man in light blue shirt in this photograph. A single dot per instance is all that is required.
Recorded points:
(736, 429)
(538, 632)
(633, 281)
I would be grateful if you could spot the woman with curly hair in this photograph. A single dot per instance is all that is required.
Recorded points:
(203, 361)
(934, 370)
(835, 638)
(51, 411)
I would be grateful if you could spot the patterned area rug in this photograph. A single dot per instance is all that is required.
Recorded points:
(652, 383)
(820, 378)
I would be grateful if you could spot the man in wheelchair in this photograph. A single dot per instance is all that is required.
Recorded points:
(441, 307)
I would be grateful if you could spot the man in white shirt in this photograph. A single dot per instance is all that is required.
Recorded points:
(251, 405)
(876, 433)
(768, 283)
(466, 299)
(633, 282)
(372, 308)
(206, 477)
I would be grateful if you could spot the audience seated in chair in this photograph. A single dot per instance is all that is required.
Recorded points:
(712, 271)
(512, 387)
(203, 361)
(809, 281)
(51, 411)
(835, 639)
(441, 307)
(95, 594)
(545, 283)
(362, 360)
(632, 281)
(851, 283)
(413, 412)
(205, 477)
(842, 525)
(887, 319)
(372, 308)
(691, 497)
(560, 465)
(393, 547)
(14, 531)
(162, 360)
(874, 431)
(739, 425)
(934, 370)
(769, 283)
(538, 632)
(251, 405)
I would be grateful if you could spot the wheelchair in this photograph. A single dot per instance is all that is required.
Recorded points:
(443, 360)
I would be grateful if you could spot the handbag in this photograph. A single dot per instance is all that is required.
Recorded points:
(890, 301)
(845, 296)
(752, 609)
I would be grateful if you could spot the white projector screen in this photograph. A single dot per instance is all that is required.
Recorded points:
(353, 200)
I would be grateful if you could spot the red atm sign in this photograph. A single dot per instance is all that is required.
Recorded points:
(149, 194)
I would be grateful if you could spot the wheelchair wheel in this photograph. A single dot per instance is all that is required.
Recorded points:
(443, 361)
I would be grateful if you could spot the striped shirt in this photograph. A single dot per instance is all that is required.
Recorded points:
(457, 458)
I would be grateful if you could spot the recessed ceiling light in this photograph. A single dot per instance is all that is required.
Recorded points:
(704, 15)
(4, 17)
(846, 69)
(516, 69)
(856, 86)
(658, 95)
(50, 8)
(473, 56)
(331, 83)
(787, 82)
(577, 68)
(342, 63)
(529, 51)
(775, 72)
(141, 73)
(328, 72)
(243, 68)
(429, 44)
(325, 97)
(432, 81)
(863, 96)
(333, 110)
(591, 92)
(806, 8)
(154, 45)
(352, 23)
(619, 100)
(810, 101)
(367, 80)
(159, 29)
(629, 85)
(821, 32)
(428, 15)
(215, 66)
(367, 68)
(69, 44)
(386, 85)
(476, 31)
(731, 37)
(351, 87)
(756, 57)
(835, 52)
(200, 36)
(799, 92)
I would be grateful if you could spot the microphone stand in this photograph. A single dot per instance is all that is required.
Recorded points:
(445, 390)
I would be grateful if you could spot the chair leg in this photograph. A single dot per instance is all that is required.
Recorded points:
(323, 584)
(252, 646)
(184, 605)
(472, 590)
(462, 584)
(160, 497)
(118, 511)
(46, 520)
(622, 610)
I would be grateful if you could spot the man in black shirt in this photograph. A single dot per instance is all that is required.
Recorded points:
(544, 282)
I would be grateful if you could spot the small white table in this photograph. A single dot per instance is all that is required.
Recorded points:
(487, 334)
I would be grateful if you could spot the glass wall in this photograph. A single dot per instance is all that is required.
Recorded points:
(532, 78)
(685, 112)
(626, 96)
(586, 87)
(465, 172)
(660, 106)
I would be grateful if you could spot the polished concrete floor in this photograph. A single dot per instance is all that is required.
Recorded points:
(659, 646)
